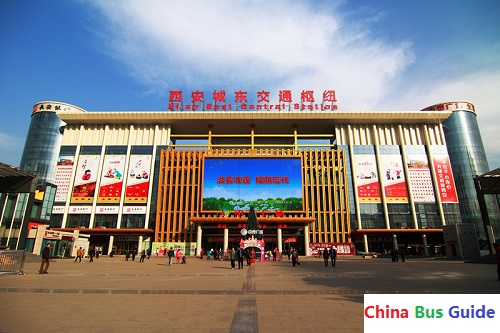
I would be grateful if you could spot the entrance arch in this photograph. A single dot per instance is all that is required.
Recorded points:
(280, 224)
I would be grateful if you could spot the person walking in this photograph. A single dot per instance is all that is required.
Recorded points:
(232, 257)
(333, 255)
(178, 256)
(127, 255)
(143, 256)
(170, 256)
(294, 255)
(79, 255)
(239, 256)
(91, 255)
(325, 256)
(45, 259)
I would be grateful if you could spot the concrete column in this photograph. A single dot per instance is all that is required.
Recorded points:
(280, 240)
(395, 241)
(306, 239)
(424, 241)
(198, 239)
(226, 239)
(139, 246)
(110, 246)
(40, 232)
(365, 242)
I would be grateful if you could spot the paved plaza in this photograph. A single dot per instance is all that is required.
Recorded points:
(114, 295)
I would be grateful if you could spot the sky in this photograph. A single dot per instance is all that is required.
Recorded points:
(127, 55)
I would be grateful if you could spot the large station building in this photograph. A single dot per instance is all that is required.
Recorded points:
(316, 176)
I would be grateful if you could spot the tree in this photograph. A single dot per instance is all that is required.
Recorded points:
(252, 224)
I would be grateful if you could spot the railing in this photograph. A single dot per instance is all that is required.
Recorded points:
(12, 262)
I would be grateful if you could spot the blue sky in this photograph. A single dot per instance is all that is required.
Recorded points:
(126, 55)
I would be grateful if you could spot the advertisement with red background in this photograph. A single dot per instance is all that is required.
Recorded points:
(110, 189)
(85, 179)
(367, 180)
(343, 249)
(138, 178)
(444, 176)
(393, 178)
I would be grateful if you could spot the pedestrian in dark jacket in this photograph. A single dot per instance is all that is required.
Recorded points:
(333, 255)
(326, 256)
(45, 259)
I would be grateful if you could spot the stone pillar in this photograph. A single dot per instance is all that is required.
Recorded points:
(424, 241)
(139, 246)
(226, 239)
(306, 239)
(395, 242)
(110, 246)
(365, 242)
(198, 240)
(280, 240)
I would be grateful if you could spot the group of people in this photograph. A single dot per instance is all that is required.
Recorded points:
(179, 257)
(395, 254)
(330, 254)
(238, 255)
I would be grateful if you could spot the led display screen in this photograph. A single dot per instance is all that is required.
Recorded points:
(231, 184)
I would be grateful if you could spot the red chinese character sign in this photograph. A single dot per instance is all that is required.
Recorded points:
(444, 177)
(260, 100)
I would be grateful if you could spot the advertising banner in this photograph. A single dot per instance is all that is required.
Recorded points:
(446, 184)
(420, 178)
(62, 179)
(367, 180)
(393, 179)
(111, 185)
(161, 248)
(343, 249)
(138, 178)
(85, 179)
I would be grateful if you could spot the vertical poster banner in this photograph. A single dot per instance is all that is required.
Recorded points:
(62, 179)
(393, 178)
(446, 184)
(367, 180)
(110, 189)
(420, 178)
(138, 178)
(85, 179)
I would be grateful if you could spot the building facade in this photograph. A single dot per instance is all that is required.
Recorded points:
(468, 159)
(39, 157)
(375, 180)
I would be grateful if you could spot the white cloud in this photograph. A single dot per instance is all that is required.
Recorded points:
(11, 149)
(274, 45)
(480, 88)
(251, 44)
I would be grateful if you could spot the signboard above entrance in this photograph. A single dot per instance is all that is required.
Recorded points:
(220, 101)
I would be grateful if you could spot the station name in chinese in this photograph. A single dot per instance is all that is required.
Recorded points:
(221, 101)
